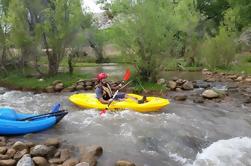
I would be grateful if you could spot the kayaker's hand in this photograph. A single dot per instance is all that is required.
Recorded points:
(110, 101)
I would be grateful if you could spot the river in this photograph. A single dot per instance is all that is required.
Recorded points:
(182, 134)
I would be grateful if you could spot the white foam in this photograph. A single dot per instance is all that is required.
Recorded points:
(178, 158)
(149, 152)
(232, 152)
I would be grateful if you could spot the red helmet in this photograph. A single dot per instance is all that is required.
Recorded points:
(101, 76)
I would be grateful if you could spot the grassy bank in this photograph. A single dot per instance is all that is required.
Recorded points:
(16, 80)
(242, 65)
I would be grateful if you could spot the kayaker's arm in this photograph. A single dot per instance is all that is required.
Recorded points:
(99, 96)
(118, 86)
(101, 100)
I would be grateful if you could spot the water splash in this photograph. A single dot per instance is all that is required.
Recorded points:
(232, 152)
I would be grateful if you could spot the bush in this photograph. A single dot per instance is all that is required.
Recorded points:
(218, 51)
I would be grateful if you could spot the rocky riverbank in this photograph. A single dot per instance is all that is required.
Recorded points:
(215, 86)
(50, 153)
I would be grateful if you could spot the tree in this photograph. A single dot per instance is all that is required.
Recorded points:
(147, 30)
(213, 10)
(20, 36)
(62, 21)
(4, 28)
(240, 11)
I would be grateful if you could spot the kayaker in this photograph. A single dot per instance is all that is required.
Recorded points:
(104, 91)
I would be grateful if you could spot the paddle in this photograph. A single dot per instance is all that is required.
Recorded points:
(125, 78)
(58, 113)
(137, 69)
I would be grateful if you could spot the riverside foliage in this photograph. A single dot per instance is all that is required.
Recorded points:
(149, 33)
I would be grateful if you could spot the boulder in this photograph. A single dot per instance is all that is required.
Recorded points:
(95, 150)
(88, 83)
(54, 83)
(51, 151)
(89, 158)
(83, 164)
(80, 87)
(58, 87)
(240, 78)
(247, 100)
(175, 79)
(65, 154)
(210, 94)
(25, 161)
(2, 90)
(88, 87)
(29, 144)
(18, 146)
(56, 161)
(233, 77)
(40, 161)
(199, 100)
(124, 163)
(210, 79)
(4, 157)
(180, 98)
(81, 81)
(180, 82)
(11, 152)
(52, 142)
(71, 162)
(20, 154)
(39, 150)
(172, 85)
(161, 81)
(248, 79)
(9, 162)
(69, 89)
(57, 154)
(50, 89)
(3, 150)
(188, 85)
(2, 141)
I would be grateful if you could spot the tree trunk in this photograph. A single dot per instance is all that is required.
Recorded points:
(25, 52)
(53, 63)
(3, 61)
(70, 67)
(98, 51)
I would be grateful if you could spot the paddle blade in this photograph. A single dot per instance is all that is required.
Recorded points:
(56, 107)
(127, 75)
(102, 112)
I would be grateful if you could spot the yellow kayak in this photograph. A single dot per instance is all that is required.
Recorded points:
(89, 100)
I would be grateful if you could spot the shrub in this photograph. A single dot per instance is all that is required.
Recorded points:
(218, 51)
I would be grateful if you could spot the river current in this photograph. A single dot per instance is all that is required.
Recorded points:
(182, 134)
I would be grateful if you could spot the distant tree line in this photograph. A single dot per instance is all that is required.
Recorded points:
(204, 32)
(150, 32)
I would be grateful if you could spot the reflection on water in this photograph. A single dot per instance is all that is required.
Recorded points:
(178, 135)
(118, 70)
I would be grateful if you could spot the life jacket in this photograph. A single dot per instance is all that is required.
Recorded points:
(107, 91)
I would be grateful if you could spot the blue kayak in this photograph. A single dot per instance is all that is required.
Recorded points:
(13, 123)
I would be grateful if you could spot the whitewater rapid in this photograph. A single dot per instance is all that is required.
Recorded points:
(182, 134)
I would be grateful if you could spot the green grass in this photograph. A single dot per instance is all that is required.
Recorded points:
(172, 64)
(17, 80)
(243, 65)
(147, 86)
